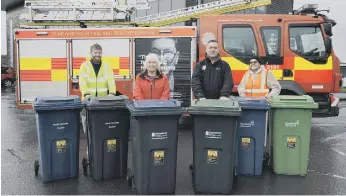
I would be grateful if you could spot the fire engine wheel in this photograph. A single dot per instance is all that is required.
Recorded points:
(36, 167)
(129, 177)
(7, 83)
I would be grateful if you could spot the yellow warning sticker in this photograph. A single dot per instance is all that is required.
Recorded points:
(212, 157)
(291, 142)
(245, 143)
(112, 145)
(159, 157)
(245, 140)
(61, 146)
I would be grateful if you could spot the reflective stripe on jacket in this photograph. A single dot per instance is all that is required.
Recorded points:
(100, 85)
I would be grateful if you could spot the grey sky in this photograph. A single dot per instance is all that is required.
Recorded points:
(337, 13)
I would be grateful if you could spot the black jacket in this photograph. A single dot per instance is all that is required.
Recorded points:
(212, 81)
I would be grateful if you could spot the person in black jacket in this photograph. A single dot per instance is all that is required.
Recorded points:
(212, 77)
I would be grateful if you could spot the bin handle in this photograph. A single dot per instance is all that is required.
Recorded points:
(59, 101)
(284, 99)
(135, 103)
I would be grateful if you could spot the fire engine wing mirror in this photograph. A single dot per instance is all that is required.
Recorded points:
(329, 47)
(328, 29)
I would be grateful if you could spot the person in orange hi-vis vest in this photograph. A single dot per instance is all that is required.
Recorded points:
(258, 81)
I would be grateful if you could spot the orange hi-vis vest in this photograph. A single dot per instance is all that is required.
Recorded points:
(258, 87)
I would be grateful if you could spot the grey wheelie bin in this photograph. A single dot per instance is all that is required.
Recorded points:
(57, 121)
(108, 124)
(154, 128)
(214, 135)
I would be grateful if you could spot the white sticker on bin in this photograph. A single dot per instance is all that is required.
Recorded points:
(213, 135)
(159, 135)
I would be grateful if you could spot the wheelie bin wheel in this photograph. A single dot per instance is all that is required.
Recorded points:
(129, 177)
(133, 187)
(266, 161)
(37, 167)
(191, 166)
(235, 177)
(85, 165)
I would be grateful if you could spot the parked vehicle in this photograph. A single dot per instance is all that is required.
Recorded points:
(8, 77)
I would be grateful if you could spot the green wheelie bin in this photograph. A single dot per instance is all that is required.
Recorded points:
(214, 136)
(289, 133)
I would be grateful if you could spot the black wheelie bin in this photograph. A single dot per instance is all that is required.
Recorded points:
(57, 121)
(154, 129)
(214, 135)
(108, 124)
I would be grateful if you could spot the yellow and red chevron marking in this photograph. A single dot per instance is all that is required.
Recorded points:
(43, 69)
(303, 70)
(120, 65)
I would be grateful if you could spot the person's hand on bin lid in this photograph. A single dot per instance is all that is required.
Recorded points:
(111, 95)
(224, 98)
(267, 96)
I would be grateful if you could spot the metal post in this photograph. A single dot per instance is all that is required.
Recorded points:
(199, 3)
(11, 45)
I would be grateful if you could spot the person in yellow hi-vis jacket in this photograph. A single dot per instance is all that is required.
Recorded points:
(96, 78)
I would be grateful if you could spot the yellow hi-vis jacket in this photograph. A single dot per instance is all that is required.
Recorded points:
(99, 85)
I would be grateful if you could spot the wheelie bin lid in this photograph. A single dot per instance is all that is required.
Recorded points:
(249, 103)
(57, 103)
(293, 101)
(215, 107)
(155, 107)
(107, 102)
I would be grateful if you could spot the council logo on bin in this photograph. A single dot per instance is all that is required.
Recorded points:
(292, 124)
(247, 124)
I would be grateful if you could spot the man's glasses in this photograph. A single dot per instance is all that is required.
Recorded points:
(253, 62)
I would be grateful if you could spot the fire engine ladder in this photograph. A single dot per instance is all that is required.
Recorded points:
(212, 8)
(81, 10)
(72, 12)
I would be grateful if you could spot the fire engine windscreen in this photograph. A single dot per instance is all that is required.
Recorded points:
(308, 42)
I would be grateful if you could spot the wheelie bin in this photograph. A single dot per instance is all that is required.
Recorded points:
(250, 137)
(290, 127)
(154, 128)
(57, 121)
(214, 133)
(108, 124)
